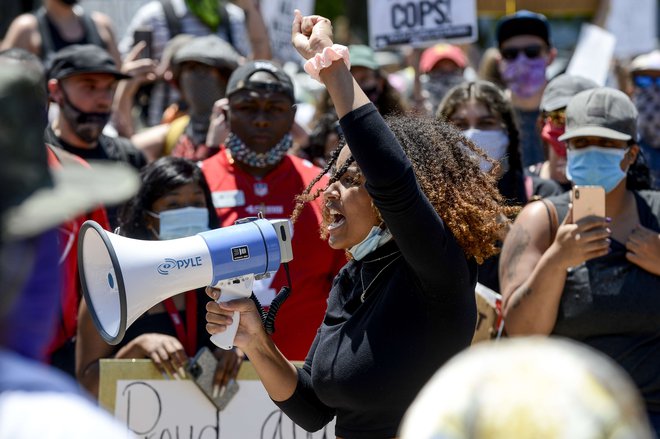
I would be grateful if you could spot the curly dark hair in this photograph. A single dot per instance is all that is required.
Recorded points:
(159, 178)
(466, 199)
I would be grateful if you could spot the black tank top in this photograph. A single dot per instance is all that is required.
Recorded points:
(613, 305)
(52, 41)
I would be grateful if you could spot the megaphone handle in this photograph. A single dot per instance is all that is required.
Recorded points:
(231, 291)
(225, 339)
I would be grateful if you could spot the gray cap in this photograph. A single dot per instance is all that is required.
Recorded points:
(601, 112)
(210, 50)
(559, 92)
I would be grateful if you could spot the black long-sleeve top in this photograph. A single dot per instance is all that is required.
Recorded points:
(369, 360)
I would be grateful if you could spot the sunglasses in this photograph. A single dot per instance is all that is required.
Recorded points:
(531, 52)
(646, 81)
(557, 117)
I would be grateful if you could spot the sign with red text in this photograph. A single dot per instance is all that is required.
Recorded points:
(421, 22)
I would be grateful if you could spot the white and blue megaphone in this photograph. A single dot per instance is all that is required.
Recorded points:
(122, 278)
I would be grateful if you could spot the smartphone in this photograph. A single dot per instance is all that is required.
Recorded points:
(588, 200)
(202, 371)
(143, 34)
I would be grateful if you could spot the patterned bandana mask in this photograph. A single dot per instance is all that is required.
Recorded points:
(242, 153)
(523, 76)
(647, 101)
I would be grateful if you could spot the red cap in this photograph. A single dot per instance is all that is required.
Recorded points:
(432, 55)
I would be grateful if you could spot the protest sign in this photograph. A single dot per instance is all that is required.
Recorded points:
(154, 407)
(278, 15)
(421, 22)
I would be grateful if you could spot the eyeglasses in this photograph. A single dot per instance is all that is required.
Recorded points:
(531, 52)
(557, 117)
(646, 81)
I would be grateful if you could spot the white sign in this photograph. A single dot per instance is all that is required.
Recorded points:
(421, 22)
(178, 409)
(278, 16)
(635, 28)
(593, 54)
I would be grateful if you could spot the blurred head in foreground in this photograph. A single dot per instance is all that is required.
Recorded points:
(528, 388)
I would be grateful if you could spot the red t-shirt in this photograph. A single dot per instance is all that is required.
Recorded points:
(237, 194)
(71, 292)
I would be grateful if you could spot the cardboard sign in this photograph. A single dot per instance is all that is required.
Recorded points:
(278, 16)
(153, 407)
(635, 28)
(593, 54)
(421, 22)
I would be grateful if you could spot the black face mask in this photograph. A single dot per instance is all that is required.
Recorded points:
(69, 2)
(87, 125)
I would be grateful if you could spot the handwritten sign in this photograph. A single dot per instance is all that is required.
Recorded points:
(278, 15)
(421, 22)
(153, 407)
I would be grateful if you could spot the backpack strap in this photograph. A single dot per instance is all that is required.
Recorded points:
(173, 24)
(552, 218)
(47, 45)
(91, 31)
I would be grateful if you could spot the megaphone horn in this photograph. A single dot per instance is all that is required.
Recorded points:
(122, 278)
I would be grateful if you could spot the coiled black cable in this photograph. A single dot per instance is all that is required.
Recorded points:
(268, 318)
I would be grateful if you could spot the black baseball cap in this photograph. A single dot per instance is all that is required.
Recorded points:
(240, 79)
(523, 22)
(82, 58)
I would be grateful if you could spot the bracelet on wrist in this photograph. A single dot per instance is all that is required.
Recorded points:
(322, 60)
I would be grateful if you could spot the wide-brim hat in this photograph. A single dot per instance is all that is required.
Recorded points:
(36, 198)
(601, 112)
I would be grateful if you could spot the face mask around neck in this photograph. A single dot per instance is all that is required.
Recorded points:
(88, 126)
(180, 223)
(373, 240)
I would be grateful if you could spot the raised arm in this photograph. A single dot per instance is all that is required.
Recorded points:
(310, 35)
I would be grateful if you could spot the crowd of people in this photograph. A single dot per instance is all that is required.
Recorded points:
(406, 187)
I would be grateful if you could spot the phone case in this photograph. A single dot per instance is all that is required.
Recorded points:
(588, 200)
(202, 370)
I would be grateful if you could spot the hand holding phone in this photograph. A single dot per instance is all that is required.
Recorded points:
(202, 371)
(588, 201)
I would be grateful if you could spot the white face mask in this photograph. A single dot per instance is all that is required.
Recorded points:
(494, 143)
(179, 223)
(371, 242)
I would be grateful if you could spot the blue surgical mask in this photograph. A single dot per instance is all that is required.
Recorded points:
(374, 239)
(179, 223)
(595, 165)
(493, 142)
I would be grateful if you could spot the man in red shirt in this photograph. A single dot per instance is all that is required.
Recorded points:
(253, 174)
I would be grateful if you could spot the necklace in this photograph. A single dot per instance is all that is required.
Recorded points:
(364, 290)
(381, 258)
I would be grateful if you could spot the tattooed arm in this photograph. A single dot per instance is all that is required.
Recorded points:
(533, 269)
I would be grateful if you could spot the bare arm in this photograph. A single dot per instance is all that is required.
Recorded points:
(23, 34)
(90, 348)
(533, 270)
(256, 29)
(104, 27)
(151, 141)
